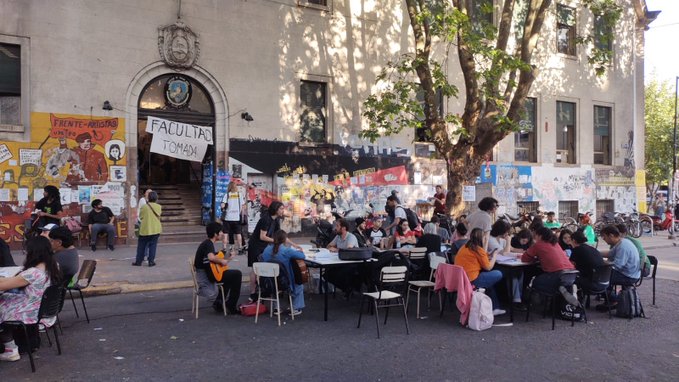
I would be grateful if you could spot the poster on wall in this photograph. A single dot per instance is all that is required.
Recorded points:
(30, 156)
(179, 140)
(5, 153)
(469, 193)
(118, 173)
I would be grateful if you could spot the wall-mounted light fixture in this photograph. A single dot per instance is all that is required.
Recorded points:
(107, 106)
(246, 116)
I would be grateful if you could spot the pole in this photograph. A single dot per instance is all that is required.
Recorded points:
(674, 158)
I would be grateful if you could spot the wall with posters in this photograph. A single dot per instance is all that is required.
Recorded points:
(314, 181)
(84, 156)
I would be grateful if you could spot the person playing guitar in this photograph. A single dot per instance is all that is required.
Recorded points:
(206, 255)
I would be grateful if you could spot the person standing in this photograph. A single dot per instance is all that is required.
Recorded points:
(439, 201)
(101, 219)
(482, 218)
(149, 230)
(231, 279)
(233, 207)
(50, 209)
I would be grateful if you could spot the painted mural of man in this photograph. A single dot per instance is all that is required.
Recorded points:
(60, 156)
(92, 162)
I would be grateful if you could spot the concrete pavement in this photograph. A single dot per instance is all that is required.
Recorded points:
(115, 274)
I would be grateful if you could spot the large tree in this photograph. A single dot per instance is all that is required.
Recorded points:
(659, 118)
(496, 60)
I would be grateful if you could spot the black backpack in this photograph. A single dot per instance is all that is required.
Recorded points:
(629, 305)
(413, 220)
(267, 285)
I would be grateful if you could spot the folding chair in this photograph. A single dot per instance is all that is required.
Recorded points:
(270, 270)
(196, 297)
(49, 308)
(417, 285)
(566, 279)
(86, 273)
(601, 278)
(390, 277)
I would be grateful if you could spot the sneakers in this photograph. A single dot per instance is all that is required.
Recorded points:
(112, 248)
(136, 264)
(568, 296)
(10, 354)
(499, 312)
(296, 312)
(152, 263)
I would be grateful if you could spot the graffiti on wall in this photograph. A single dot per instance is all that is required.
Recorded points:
(84, 156)
(554, 184)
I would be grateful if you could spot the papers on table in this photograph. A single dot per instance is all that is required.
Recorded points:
(9, 271)
(506, 259)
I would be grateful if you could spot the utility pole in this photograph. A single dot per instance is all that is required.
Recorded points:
(674, 159)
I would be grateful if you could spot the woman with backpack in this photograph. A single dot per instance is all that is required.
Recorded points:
(285, 255)
(40, 271)
(478, 265)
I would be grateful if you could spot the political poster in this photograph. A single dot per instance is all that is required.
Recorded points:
(179, 140)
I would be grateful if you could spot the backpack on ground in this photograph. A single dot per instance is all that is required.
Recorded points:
(413, 220)
(73, 225)
(481, 311)
(629, 305)
(570, 311)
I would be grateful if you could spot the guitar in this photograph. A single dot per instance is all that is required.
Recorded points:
(217, 270)
(301, 271)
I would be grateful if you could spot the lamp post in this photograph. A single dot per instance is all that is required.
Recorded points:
(674, 158)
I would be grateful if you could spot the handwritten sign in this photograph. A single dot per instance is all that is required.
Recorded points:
(469, 193)
(31, 156)
(179, 140)
(5, 154)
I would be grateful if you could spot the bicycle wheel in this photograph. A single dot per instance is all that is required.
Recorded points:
(570, 227)
(646, 225)
(634, 229)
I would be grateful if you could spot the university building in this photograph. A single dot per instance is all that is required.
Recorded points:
(105, 99)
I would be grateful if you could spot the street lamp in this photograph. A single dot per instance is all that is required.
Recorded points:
(674, 158)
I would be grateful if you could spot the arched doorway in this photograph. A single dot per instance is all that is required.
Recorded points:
(177, 98)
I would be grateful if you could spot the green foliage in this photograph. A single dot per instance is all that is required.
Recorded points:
(606, 16)
(659, 118)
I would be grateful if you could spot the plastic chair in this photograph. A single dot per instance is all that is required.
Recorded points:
(390, 277)
(654, 263)
(601, 278)
(49, 308)
(417, 285)
(270, 270)
(196, 298)
(566, 279)
(86, 273)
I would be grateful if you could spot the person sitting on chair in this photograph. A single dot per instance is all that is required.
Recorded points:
(344, 238)
(359, 232)
(625, 258)
(231, 279)
(287, 255)
(65, 252)
(101, 219)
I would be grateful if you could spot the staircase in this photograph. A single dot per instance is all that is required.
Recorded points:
(181, 217)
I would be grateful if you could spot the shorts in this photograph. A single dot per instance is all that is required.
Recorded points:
(232, 227)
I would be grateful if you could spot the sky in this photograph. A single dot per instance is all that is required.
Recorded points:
(662, 53)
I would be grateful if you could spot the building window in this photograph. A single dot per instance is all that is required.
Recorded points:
(317, 4)
(314, 112)
(602, 135)
(565, 132)
(482, 13)
(603, 36)
(603, 206)
(10, 84)
(525, 140)
(565, 29)
(568, 209)
(421, 134)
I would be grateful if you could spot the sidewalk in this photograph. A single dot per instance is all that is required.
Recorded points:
(115, 274)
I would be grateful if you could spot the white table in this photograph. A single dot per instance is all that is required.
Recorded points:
(9, 271)
(322, 259)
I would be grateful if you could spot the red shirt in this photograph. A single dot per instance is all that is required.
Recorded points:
(440, 208)
(552, 257)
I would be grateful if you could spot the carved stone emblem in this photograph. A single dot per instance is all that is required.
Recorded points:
(178, 45)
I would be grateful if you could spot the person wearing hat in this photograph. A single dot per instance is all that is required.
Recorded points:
(64, 251)
(359, 232)
(49, 207)
(93, 165)
(45, 231)
(101, 219)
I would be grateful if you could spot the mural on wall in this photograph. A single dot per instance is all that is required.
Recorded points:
(512, 184)
(83, 156)
(554, 184)
(629, 167)
(313, 182)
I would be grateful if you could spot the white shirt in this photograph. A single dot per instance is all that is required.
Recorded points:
(233, 201)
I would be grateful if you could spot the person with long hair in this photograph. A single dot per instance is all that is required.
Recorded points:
(566, 241)
(49, 207)
(40, 271)
(500, 242)
(262, 235)
(553, 261)
(285, 254)
(233, 207)
(478, 265)
(522, 241)
(404, 236)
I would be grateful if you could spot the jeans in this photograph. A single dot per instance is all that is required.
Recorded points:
(297, 294)
(147, 242)
(98, 228)
(488, 280)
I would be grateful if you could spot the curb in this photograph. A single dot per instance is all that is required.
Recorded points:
(121, 288)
